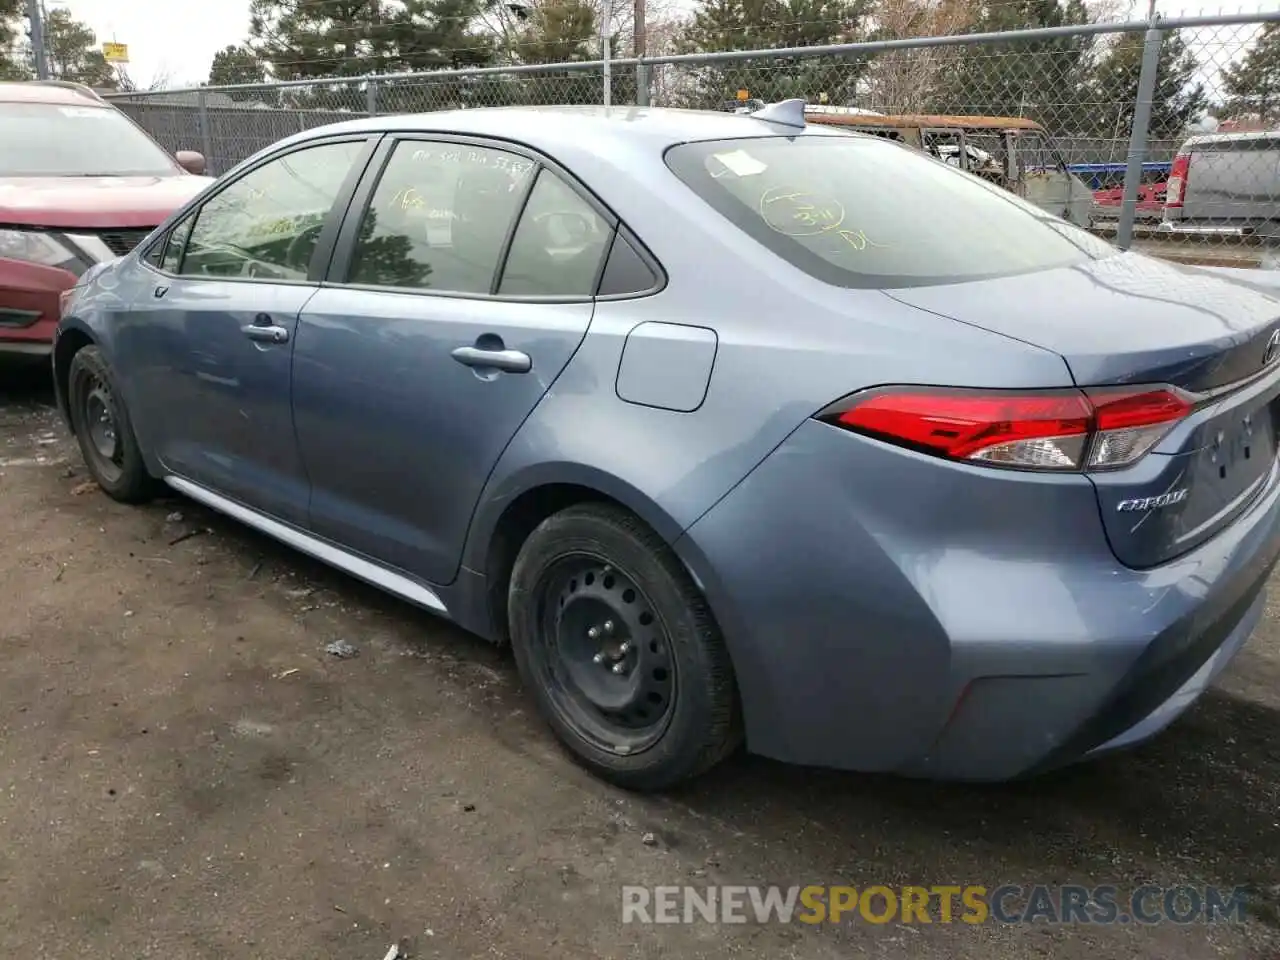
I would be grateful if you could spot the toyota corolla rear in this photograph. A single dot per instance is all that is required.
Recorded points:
(966, 577)
(80, 184)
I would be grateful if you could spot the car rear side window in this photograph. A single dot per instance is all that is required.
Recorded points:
(627, 272)
(265, 225)
(558, 244)
(865, 212)
(439, 218)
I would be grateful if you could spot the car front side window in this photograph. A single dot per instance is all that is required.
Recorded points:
(266, 224)
(176, 245)
(439, 218)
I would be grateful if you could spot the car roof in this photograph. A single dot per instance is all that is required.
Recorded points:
(1264, 138)
(552, 127)
(62, 93)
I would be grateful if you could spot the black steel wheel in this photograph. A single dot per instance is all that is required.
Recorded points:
(620, 650)
(608, 657)
(104, 431)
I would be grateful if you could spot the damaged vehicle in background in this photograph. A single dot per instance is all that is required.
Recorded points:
(80, 184)
(1013, 152)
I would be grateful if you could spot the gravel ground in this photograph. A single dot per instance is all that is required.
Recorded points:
(186, 773)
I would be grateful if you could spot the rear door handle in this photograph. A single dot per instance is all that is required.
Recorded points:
(511, 361)
(267, 332)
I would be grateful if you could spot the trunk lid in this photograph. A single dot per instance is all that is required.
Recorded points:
(1131, 320)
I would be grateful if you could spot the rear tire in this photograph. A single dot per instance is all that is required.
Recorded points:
(104, 431)
(620, 650)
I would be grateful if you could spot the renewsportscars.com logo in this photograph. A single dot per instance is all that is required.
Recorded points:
(971, 904)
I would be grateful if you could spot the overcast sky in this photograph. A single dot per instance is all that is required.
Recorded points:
(176, 39)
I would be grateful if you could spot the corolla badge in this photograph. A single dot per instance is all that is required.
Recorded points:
(1152, 503)
(1272, 353)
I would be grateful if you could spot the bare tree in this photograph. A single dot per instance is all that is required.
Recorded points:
(162, 80)
(900, 81)
(666, 81)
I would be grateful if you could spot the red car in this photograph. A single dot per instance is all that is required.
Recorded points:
(80, 183)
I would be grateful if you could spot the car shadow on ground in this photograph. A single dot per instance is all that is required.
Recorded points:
(25, 383)
(1197, 805)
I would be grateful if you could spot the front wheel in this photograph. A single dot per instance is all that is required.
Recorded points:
(104, 431)
(620, 650)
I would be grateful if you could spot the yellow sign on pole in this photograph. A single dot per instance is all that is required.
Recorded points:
(115, 52)
(743, 95)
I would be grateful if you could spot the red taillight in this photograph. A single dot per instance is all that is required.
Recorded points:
(1040, 430)
(1177, 186)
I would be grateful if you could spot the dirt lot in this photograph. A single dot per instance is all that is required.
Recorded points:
(184, 773)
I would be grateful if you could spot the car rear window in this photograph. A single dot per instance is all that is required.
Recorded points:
(56, 140)
(865, 212)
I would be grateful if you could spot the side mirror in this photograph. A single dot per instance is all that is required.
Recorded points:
(191, 161)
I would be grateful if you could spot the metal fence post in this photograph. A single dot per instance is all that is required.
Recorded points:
(642, 84)
(1138, 136)
(206, 139)
(371, 97)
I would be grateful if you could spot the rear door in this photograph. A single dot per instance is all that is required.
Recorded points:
(462, 283)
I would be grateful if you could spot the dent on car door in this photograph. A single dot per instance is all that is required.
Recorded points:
(465, 276)
(212, 343)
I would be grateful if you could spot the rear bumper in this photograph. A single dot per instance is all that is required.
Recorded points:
(890, 611)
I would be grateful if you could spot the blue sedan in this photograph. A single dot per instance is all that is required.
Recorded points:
(734, 428)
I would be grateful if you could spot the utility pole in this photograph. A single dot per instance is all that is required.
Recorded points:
(606, 50)
(36, 17)
(641, 48)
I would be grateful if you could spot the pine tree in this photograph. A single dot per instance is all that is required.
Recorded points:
(235, 65)
(1176, 101)
(73, 52)
(567, 31)
(301, 39)
(1045, 80)
(754, 24)
(1252, 85)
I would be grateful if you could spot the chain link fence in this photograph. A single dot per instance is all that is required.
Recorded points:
(1163, 135)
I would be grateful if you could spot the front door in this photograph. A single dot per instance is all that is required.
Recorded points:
(440, 330)
(214, 355)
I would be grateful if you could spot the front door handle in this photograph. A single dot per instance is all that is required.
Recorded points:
(268, 333)
(511, 361)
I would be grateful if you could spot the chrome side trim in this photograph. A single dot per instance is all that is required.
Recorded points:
(357, 566)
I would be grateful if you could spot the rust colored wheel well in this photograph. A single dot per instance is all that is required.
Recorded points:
(519, 520)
